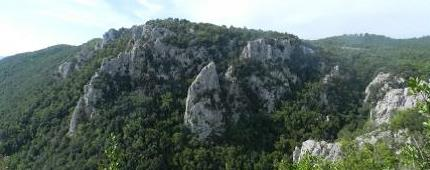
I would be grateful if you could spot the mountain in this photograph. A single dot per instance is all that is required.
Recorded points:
(173, 94)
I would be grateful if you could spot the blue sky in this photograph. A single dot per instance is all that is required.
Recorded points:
(28, 25)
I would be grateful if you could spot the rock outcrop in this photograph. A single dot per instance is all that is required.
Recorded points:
(66, 69)
(260, 78)
(273, 81)
(385, 95)
(333, 151)
(110, 36)
(393, 139)
(328, 151)
(86, 53)
(334, 72)
(267, 49)
(394, 99)
(204, 110)
(86, 105)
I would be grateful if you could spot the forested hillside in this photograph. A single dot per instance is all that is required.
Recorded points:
(172, 94)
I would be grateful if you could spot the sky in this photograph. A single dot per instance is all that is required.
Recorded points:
(28, 25)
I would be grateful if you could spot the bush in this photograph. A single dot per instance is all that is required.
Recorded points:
(408, 119)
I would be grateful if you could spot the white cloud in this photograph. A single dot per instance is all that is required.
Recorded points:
(150, 6)
(47, 22)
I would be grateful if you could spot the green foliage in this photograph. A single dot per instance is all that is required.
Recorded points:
(378, 156)
(408, 119)
(113, 154)
(417, 154)
(369, 54)
(421, 88)
(146, 113)
(309, 162)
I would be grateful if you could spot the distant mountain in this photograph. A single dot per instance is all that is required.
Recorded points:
(372, 40)
(173, 94)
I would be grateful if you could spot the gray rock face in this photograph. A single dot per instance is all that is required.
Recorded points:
(267, 49)
(212, 100)
(85, 108)
(204, 112)
(333, 73)
(110, 36)
(394, 99)
(79, 109)
(66, 68)
(393, 139)
(333, 152)
(307, 50)
(381, 84)
(273, 83)
(328, 151)
(80, 59)
(386, 94)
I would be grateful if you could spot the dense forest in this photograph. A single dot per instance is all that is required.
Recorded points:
(139, 122)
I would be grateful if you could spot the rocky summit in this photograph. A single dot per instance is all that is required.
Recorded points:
(261, 74)
(173, 94)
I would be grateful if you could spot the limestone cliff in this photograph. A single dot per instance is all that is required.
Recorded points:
(385, 95)
(256, 79)
(85, 54)
(203, 109)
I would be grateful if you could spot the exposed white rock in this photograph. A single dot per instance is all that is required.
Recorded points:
(66, 68)
(85, 107)
(117, 66)
(379, 83)
(394, 99)
(148, 57)
(75, 117)
(203, 110)
(393, 139)
(328, 151)
(263, 93)
(267, 49)
(235, 95)
(273, 83)
(333, 73)
(307, 50)
(79, 60)
(91, 95)
(386, 94)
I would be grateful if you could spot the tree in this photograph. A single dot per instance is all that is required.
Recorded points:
(417, 154)
(112, 154)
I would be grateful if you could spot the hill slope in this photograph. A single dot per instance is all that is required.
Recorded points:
(172, 94)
